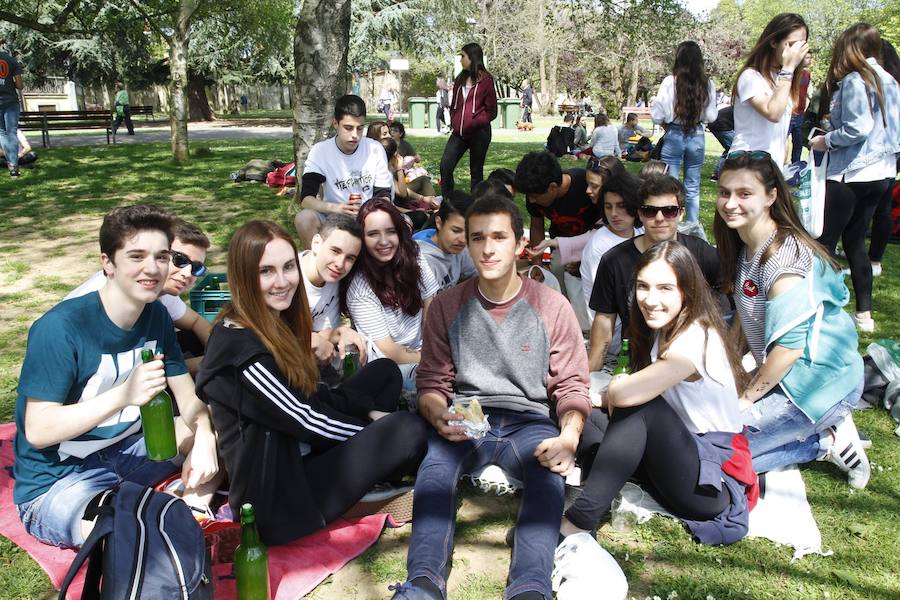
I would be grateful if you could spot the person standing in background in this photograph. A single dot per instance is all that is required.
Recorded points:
(442, 96)
(472, 108)
(795, 129)
(527, 101)
(10, 83)
(123, 109)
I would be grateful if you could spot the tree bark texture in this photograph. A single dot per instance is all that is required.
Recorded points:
(198, 102)
(321, 44)
(179, 42)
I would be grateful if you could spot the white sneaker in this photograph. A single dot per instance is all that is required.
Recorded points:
(864, 324)
(876, 269)
(583, 569)
(847, 453)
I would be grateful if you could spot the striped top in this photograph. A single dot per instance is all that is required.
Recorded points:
(753, 281)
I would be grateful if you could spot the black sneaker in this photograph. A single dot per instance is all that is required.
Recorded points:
(14, 172)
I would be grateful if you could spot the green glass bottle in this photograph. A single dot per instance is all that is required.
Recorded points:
(251, 560)
(623, 366)
(351, 358)
(158, 422)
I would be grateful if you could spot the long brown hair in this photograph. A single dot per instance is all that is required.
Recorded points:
(691, 83)
(698, 306)
(288, 336)
(763, 57)
(851, 49)
(782, 212)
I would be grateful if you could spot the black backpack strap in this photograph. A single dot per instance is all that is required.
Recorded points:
(92, 551)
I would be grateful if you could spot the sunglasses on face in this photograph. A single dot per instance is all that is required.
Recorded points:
(182, 260)
(668, 212)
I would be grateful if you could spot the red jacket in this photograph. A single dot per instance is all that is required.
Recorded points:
(474, 113)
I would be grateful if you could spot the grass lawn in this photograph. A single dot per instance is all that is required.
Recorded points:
(49, 220)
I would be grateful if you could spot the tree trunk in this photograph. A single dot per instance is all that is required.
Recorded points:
(554, 70)
(198, 102)
(321, 43)
(178, 57)
(634, 78)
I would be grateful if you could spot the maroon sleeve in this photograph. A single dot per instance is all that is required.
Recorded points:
(436, 372)
(567, 381)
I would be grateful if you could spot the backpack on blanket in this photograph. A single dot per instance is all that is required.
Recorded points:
(145, 544)
(285, 176)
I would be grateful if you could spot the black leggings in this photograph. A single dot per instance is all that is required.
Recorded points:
(456, 146)
(848, 212)
(384, 450)
(882, 224)
(650, 438)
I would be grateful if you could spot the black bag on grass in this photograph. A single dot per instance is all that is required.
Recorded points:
(145, 544)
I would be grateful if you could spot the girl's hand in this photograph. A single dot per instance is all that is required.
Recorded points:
(538, 249)
(793, 55)
(818, 143)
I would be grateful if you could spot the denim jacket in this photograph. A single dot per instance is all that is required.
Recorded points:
(862, 134)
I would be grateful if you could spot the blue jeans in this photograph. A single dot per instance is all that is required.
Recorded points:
(9, 123)
(686, 146)
(54, 517)
(780, 434)
(510, 445)
(795, 131)
(725, 138)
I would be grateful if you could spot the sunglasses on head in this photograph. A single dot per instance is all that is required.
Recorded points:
(753, 154)
(668, 212)
(182, 260)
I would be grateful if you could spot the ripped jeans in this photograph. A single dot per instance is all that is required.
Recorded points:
(780, 434)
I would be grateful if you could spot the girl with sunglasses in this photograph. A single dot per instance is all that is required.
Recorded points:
(789, 295)
(390, 288)
(685, 101)
(674, 420)
(767, 85)
(862, 145)
(301, 453)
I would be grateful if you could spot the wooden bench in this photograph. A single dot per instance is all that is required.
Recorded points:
(147, 111)
(643, 114)
(47, 121)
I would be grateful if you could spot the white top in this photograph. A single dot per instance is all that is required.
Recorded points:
(175, 306)
(324, 304)
(375, 321)
(752, 131)
(711, 402)
(602, 240)
(662, 109)
(360, 172)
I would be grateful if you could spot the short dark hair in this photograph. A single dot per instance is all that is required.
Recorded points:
(504, 175)
(336, 222)
(600, 119)
(122, 223)
(398, 127)
(627, 185)
(188, 233)
(495, 203)
(536, 171)
(456, 204)
(349, 105)
(631, 116)
(490, 186)
(661, 185)
(568, 118)
(653, 166)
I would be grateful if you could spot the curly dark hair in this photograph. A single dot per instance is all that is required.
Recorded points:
(691, 83)
(536, 171)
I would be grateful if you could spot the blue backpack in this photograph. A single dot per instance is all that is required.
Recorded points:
(145, 544)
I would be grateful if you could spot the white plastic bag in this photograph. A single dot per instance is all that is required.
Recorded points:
(811, 195)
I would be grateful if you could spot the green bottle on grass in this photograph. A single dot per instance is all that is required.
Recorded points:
(251, 560)
(158, 422)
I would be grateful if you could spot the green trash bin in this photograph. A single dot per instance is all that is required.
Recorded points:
(432, 106)
(417, 112)
(498, 123)
(512, 110)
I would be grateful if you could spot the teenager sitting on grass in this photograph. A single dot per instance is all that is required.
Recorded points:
(418, 179)
(188, 255)
(346, 164)
(415, 206)
(78, 425)
(444, 246)
(790, 295)
(300, 453)
(390, 289)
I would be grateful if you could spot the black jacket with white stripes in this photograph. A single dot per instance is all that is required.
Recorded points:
(265, 428)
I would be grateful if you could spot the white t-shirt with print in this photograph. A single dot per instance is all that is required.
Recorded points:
(376, 321)
(175, 306)
(360, 172)
(752, 131)
(711, 402)
(602, 240)
(324, 303)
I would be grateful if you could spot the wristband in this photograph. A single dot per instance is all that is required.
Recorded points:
(784, 75)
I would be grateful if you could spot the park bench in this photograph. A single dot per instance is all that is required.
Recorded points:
(145, 110)
(47, 121)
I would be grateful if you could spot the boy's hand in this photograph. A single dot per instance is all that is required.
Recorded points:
(202, 462)
(558, 453)
(144, 382)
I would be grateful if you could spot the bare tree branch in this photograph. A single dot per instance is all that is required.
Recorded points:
(38, 26)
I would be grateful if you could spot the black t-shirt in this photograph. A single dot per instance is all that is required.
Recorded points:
(404, 148)
(613, 291)
(574, 213)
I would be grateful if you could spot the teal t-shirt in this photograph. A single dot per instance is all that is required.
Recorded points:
(75, 353)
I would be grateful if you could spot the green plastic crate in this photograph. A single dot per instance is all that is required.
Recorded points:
(208, 297)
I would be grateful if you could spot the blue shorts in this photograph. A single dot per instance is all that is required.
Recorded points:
(55, 516)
